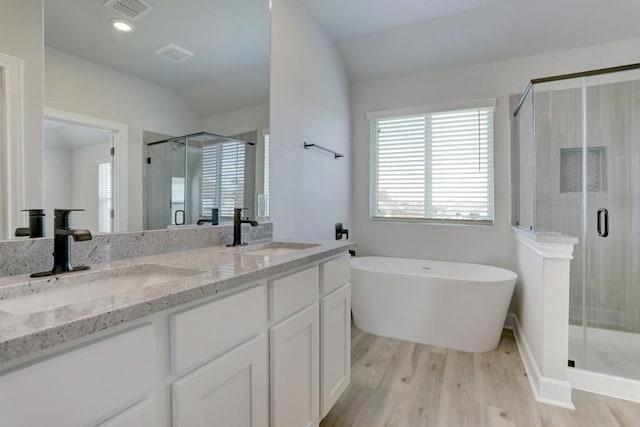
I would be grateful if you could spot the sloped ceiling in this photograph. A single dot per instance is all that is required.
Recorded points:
(379, 38)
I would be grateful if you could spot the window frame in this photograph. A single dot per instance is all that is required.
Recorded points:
(375, 116)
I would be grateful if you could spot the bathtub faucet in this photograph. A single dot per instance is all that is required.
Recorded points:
(341, 231)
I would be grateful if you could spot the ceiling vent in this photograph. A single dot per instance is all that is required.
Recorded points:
(173, 53)
(132, 9)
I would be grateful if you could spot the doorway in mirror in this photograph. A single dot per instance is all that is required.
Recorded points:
(81, 159)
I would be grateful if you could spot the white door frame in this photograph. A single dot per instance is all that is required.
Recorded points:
(12, 183)
(120, 162)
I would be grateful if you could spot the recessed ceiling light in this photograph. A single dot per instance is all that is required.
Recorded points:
(122, 25)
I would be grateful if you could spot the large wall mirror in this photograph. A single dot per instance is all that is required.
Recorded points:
(186, 67)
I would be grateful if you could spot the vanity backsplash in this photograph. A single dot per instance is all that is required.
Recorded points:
(30, 255)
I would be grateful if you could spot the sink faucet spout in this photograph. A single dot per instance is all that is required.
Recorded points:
(237, 226)
(62, 243)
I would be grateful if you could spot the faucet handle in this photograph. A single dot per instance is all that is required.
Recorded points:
(22, 232)
(61, 218)
(66, 211)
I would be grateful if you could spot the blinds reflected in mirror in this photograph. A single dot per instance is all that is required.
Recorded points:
(222, 177)
(105, 197)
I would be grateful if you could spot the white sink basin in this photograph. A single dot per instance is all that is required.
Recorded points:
(75, 289)
(278, 248)
(273, 251)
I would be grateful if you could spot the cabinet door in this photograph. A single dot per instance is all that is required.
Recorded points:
(142, 414)
(230, 391)
(335, 345)
(83, 385)
(295, 370)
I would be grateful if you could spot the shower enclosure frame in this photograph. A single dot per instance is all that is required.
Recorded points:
(534, 226)
(193, 141)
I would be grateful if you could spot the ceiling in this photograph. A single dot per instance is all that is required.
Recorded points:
(377, 38)
(381, 38)
(346, 19)
(228, 37)
(64, 135)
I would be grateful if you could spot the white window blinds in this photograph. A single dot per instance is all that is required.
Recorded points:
(267, 155)
(105, 203)
(434, 167)
(222, 177)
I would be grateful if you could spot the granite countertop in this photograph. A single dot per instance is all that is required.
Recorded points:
(218, 269)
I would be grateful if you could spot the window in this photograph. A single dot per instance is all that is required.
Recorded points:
(222, 178)
(104, 197)
(434, 167)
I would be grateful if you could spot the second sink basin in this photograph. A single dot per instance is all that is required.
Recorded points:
(62, 290)
(278, 248)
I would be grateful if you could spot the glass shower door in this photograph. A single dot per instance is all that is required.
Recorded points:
(559, 193)
(166, 185)
(612, 233)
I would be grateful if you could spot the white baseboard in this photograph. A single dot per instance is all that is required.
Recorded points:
(608, 385)
(545, 390)
(509, 321)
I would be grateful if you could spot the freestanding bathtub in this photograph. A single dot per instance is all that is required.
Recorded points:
(446, 304)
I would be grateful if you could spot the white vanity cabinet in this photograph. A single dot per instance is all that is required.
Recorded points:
(295, 349)
(335, 331)
(273, 353)
(295, 369)
(141, 414)
(83, 386)
(311, 349)
(230, 391)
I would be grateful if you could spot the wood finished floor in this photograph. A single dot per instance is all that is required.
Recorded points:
(400, 383)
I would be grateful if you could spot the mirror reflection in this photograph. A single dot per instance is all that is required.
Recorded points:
(186, 67)
(78, 172)
(200, 179)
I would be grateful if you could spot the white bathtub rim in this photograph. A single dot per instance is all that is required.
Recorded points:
(507, 275)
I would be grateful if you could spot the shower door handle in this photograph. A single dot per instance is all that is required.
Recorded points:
(175, 217)
(603, 232)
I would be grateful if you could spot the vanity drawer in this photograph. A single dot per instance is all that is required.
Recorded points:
(335, 273)
(294, 292)
(201, 333)
(82, 386)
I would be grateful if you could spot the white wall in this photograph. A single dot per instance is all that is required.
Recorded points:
(492, 245)
(57, 182)
(541, 324)
(21, 36)
(240, 121)
(311, 191)
(83, 87)
(84, 193)
(71, 181)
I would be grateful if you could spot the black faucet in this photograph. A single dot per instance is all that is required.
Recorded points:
(214, 220)
(62, 244)
(36, 224)
(237, 226)
(341, 231)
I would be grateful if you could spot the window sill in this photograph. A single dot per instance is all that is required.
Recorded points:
(437, 222)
